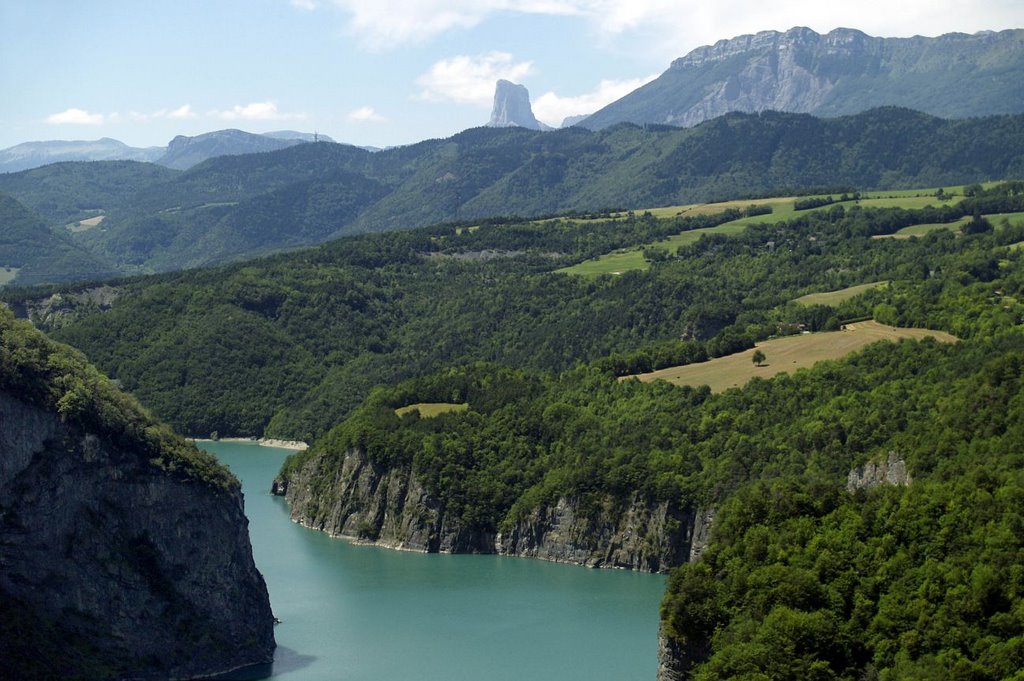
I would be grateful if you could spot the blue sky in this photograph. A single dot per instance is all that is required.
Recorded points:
(376, 72)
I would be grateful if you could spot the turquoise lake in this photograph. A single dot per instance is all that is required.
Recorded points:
(362, 613)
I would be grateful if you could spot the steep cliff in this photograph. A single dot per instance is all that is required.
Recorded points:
(124, 551)
(391, 507)
(842, 72)
(512, 108)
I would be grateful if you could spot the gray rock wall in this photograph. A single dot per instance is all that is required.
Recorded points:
(111, 565)
(366, 502)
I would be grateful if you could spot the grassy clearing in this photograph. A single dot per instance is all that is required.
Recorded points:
(7, 275)
(921, 230)
(907, 202)
(626, 260)
(429, 410)
(836, 297)
(786, 355)
(996, 219)
(85, 225)
(782, 209)
(1012, 219)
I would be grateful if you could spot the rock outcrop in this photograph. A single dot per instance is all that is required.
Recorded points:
(120, 557)
(512, 108)
(59, 309)
(842, 72)
(390, 507)
(892, 471)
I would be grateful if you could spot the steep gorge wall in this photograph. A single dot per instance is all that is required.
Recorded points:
(113, 568)
(390, 507)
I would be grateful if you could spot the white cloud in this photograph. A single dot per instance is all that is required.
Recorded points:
(365, 114)
(470, 80)
(388, 24)
(308, 5)
(671, 28)
(75, 117)
(182, 113)
(553, 109)
(256, 111)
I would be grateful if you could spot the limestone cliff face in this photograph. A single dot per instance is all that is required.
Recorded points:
(361, 500)
(113, 568)
(841, 72)
(512, 108)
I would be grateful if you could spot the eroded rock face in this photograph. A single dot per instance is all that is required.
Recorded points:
(512, 108)
(841, 72)
(892, 471)
(392, 508)
(113, 568)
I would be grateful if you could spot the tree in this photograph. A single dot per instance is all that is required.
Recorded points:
(758, 358)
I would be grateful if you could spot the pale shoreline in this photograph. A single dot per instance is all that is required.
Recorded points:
(297, 445)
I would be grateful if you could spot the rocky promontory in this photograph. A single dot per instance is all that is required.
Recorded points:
(124, 550)
(391, 507)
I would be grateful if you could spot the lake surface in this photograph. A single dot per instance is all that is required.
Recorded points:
(362, 613)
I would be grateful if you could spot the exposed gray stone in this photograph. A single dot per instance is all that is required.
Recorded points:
(390, 507)
(148, 573)
(892, 471)
(512, 108)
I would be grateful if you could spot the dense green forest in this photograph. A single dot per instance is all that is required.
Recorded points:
(232, 207)
(59, 379)
(806, 581)
(802, 579)
(289, 345)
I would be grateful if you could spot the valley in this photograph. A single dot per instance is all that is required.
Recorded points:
(746, 337)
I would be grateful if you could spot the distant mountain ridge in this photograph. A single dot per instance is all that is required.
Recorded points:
(842, 72)
(181, 153)
(28, 155)
(235, 207)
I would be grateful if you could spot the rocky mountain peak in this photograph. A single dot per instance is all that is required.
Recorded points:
(842, 72)
(512, 108)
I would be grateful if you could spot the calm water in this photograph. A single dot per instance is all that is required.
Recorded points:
(358, 613)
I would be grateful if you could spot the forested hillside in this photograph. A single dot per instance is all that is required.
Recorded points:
(33, 252)
(236, 206)
(287, 346)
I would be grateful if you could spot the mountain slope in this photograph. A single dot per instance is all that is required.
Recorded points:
(231, 207)
(41, 255)
(184, 152)
(842, 72)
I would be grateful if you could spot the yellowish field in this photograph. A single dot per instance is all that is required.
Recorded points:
(85, 225)
(429, 410)
(7, 275)
(836, 297)
(787, 355)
